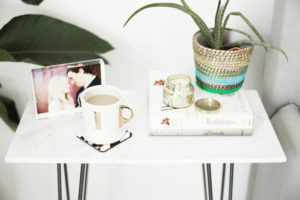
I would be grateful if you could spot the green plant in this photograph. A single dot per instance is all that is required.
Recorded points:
(8, 112)
(33, 2)
(44, 40)
(215, 37)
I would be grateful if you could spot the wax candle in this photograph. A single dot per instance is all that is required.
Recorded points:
(178, 91)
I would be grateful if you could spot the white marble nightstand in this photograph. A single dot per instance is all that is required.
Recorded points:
(54, 141)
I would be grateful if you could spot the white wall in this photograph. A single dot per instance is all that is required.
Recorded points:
(156, 39)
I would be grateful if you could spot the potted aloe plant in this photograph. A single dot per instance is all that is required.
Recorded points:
(221, 65)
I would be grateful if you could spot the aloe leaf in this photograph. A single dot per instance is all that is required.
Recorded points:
(202, 26)
(46, 41)
(217, 28)
(247, 22)
(218, 32)
(219, 4)
(226, 4)
(254, 43)
(8, 113)
(185, 4)
(216, 15)
(222, 30)
(218, 7)
(33, 2)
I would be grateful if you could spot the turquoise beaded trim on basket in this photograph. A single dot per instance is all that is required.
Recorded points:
(214, 80)
(221, 72)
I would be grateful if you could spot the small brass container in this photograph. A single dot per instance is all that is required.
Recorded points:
(207, 105)
(178, 91)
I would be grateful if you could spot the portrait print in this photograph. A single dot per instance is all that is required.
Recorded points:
(57, 88)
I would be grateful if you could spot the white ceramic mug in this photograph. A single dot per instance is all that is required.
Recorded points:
(103, 122)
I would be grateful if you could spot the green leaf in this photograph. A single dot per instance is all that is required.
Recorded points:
(218, 32)
(216, 15)
(217, 29)
(247, 22)
(8, 113)
(222, 30)
(33, 2)
(184, 4)
(255, 43)
(47, 41)
(200, 23)
(5, 55)
(219, 4)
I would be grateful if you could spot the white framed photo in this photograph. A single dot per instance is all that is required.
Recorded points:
(57, 88)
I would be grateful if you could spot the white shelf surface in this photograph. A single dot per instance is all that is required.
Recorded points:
(54, 141)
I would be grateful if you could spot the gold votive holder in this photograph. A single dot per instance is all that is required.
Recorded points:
(178, 91)
(207, 105)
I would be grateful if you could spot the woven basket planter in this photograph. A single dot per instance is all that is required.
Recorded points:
(221, 71)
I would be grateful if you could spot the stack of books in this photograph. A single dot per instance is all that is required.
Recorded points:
(234, 118)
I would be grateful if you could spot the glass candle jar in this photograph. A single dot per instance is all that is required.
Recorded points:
(178, 91)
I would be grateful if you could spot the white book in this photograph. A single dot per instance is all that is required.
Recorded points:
(234, 118)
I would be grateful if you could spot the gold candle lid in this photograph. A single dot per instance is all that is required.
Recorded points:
(207, 105)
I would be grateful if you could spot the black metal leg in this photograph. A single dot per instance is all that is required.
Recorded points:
(223, 180)
(85, 181)
(204, 181)
(81, 180)
(208, 184)
(67, 181)
(59, 181)
(210, 189)
(231, 181)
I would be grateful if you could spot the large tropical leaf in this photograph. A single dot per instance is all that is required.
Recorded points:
(8, 113)
(255, 43)
(46, 41)
(200, 23)
(5, 55)
(33, 2)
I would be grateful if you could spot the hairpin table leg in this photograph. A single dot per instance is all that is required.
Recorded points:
(85, 181)
(223, 180)
(59, 181)
(204, 181)
(231, 181)
(81, 180)
(210, 189)
(66, 181)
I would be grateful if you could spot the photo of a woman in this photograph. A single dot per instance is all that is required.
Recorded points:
(59, 97)
(56, 88)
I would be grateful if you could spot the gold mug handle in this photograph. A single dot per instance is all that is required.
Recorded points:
(124, 120)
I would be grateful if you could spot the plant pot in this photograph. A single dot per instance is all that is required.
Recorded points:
(221, 71)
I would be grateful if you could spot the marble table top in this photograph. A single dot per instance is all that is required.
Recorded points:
(54, 141)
